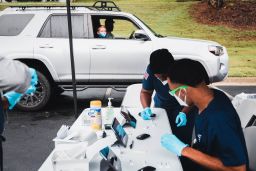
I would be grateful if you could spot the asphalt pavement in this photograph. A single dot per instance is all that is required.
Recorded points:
(29, 135)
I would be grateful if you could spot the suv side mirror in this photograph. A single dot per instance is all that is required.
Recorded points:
(141, 35)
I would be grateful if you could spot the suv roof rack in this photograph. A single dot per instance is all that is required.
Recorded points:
(106, 6)
(98, 5)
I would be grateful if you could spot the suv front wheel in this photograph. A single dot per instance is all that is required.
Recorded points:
(40, 98)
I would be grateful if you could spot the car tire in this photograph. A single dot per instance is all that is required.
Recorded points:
(40, 98)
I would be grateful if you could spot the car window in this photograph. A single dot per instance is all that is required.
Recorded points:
(57, 27)
(116, 27)
(13, 24)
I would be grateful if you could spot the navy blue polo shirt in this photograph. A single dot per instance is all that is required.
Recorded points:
(219, 133)
(162, 97)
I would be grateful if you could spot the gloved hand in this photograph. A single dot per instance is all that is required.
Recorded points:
(133, 124)
(13, 98)
(181, 119)
(120, 131)
(146, 113)
(33, 82)
(30, 90)
(172, 143)
(34, 78)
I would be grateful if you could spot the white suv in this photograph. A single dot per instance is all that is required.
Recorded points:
(38, 36)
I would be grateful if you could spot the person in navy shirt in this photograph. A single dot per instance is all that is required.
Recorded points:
(155, 78)
(219, 143)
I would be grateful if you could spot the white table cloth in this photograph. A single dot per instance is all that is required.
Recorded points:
(144, 152)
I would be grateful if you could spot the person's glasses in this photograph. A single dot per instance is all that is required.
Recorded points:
(173, 92)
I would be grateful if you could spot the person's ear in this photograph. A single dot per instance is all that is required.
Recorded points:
(190, 90)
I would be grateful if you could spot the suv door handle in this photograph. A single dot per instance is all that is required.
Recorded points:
(45, 46)
(99, 47)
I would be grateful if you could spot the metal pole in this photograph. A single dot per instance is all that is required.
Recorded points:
(72, 57)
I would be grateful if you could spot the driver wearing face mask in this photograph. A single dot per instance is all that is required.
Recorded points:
(102, 32)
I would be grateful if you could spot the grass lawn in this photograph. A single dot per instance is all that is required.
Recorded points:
(171, 18)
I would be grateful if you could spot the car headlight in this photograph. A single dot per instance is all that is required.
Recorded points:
(216, 50)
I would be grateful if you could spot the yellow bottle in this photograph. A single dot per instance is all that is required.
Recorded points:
(95, 115)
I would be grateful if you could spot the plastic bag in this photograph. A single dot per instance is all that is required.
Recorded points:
(238, 99)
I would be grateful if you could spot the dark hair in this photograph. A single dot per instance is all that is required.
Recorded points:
(109, 24)
(160, 61)
(109, 20)
(188, 72)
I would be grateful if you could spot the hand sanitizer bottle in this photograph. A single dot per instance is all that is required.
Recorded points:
(109, 112)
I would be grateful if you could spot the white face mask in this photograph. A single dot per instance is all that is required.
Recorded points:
(163, 82)
(181, 102)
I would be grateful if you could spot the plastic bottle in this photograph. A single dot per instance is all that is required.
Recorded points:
(109, 112)
(95, 115)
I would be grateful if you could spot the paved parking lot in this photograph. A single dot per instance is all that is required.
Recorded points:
(29, 135)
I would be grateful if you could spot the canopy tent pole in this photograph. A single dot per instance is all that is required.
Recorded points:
(72, 57)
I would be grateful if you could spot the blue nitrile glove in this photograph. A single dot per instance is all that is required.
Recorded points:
(120, 131)
(181, 119)
(30, 90)
(146, 113)
(172, 143)
(34, 78)
(13, 98)
(133, 124)
(33, 82)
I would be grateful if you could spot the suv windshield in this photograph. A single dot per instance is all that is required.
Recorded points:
(156, 34)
